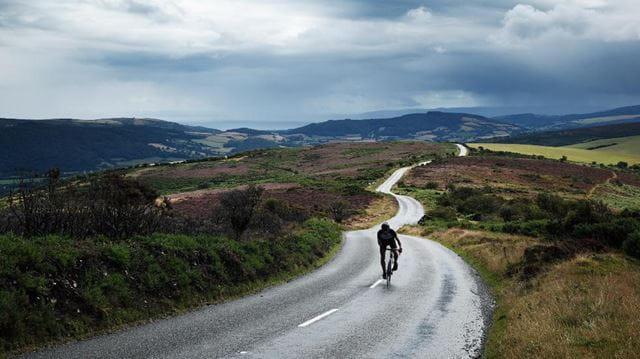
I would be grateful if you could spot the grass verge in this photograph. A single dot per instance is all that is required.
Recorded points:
(55, 289)
(583, 307)
(380, 210)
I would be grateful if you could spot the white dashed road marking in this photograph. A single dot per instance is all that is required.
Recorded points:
(311, 321)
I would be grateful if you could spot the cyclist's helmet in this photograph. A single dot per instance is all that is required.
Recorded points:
(385, 226)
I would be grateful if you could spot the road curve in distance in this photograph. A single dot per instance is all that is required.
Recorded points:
(436, 307)
(463, 150)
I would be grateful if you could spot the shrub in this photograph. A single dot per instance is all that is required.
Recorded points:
(631, 246)
(432, 185)
(339, 211)
(443, 213)
(237, 208)
(612, 232)
(109, 205)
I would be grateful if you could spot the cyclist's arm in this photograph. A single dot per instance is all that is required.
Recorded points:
(399, 243)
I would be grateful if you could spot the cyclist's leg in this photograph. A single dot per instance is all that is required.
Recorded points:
(396, 254)
(383, 252)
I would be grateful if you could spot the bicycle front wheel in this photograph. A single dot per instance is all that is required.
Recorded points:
(389, 272)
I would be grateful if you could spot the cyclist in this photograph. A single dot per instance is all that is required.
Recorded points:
(388, 237)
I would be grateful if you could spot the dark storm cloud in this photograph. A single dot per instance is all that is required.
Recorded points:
(307, 61)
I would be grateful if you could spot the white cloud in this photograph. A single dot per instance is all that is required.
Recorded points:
(419, 14)
(578, 19)
(185, 27)
(290, 58)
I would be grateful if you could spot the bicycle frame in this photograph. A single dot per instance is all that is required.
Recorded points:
(390, 265)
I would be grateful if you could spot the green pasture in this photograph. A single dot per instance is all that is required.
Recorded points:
(571, 153)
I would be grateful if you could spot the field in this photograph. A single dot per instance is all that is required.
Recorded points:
(594, 120)
(623, 145)
(513, 177)
(572, 154)
(310, 178)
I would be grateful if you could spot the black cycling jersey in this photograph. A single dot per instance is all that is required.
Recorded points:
(387, 238)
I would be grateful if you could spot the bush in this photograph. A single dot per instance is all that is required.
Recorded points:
(339, 211)
(237, 208)
(443, 213)
(612, 232)
(631, 246)
(109, 205)
(432, 185)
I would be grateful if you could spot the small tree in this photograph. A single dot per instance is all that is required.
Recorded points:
(622, 164)
(339, 211)
(238, 207)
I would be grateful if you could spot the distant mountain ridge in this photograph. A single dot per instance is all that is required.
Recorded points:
(84, 145)
(432, 126)
(550, 122)
(87, 145)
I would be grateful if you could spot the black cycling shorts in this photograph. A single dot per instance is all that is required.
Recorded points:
(384, 243)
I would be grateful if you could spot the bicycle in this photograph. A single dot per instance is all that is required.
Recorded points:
(390, 265)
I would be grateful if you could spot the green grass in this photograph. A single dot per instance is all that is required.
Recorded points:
(53, 288)
(623, 145)
(594, 120)
(425, 196)
(619, 196)
(572, 154)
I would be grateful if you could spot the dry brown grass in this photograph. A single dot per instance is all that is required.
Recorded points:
(495, 251)
(586, 307)
(378, 211)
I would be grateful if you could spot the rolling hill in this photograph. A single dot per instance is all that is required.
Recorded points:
(628, 145)
(431, 126)
(572, 136)
(28, 146)
(556, 122)
(608, 144)
(571, 154)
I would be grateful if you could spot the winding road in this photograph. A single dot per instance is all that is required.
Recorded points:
(436, 307)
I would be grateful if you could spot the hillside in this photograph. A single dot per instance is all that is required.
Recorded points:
(573, 136)
(627, 145)
(28, 146)
(554, 240)
(569, 153)
(552, 122)
(430, 126)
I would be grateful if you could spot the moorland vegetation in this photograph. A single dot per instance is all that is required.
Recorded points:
(98, 252)
(558, 242)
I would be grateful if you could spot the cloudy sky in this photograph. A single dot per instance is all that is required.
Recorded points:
(199, 61)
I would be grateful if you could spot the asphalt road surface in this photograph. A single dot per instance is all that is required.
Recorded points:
(436, 307)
